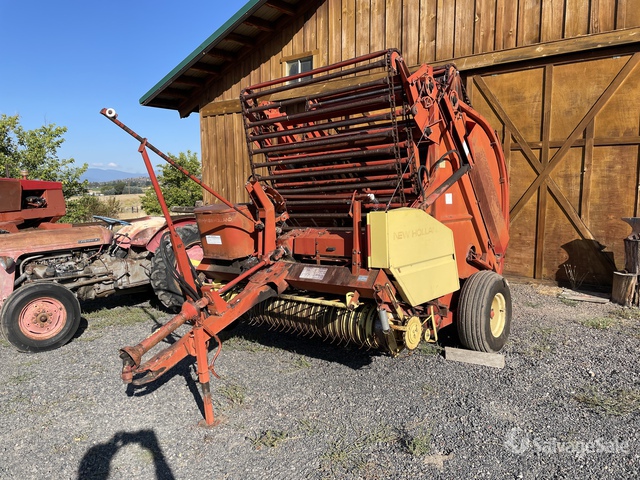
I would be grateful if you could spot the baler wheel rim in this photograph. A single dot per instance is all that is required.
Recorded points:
(498, 316)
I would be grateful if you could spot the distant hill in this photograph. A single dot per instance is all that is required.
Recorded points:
(99, 175)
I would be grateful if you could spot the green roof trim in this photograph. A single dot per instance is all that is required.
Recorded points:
(219, 34)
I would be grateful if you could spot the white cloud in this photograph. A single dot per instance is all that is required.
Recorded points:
(112, 165)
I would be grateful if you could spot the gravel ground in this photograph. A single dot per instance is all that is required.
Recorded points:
(567, 404)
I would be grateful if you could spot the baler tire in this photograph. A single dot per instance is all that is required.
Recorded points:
(40, 317)
(163, 282)
(484, 312)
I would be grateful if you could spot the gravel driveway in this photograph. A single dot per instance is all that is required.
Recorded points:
(567, 404)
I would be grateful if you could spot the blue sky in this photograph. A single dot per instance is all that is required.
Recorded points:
(63, 61)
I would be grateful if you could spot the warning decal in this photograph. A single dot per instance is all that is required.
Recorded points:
(313, 273)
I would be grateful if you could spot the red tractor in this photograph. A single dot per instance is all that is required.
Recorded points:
(46, 267)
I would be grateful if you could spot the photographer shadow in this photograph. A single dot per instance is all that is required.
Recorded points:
(96, 463)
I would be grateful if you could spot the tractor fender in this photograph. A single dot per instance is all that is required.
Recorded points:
(147, 233)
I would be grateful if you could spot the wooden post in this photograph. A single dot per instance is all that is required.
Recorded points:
(632, 254)
(625, 289)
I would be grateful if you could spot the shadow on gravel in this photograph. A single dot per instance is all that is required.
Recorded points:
(247, 335)
(123, 300)
(185, 369)
(242, 335)
(110, 302)
(96, 463)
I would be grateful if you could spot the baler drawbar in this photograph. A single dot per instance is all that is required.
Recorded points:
(375, 194)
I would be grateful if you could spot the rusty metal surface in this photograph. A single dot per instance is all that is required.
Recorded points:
(16, 209)
(54, 240)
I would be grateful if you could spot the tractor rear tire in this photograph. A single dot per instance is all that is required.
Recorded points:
(40, 317)
(163, 281)
(484, 312)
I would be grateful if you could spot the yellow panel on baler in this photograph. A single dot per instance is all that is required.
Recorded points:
(417, 250)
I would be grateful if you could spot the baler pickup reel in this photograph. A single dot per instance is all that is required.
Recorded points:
(374, 192)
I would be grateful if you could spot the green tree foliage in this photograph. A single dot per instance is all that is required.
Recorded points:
(82, 209)
(36, 151)
(177, 189)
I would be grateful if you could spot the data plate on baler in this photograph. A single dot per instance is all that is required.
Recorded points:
(417, 250)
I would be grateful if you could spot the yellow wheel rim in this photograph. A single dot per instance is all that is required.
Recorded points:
(413, 333)
(498, 315)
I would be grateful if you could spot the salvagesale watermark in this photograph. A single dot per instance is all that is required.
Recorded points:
(520, 442)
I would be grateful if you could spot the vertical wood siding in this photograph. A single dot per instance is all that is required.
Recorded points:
(562, 215)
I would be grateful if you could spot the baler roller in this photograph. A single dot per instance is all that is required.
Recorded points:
(314, 144)
(333, 98)
(346, 154)
(317, 114)
(383, 82)
(315, 172)
(320, 126)
(262, 89)
(333, 188)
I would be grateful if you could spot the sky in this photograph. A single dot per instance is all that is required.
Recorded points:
(62, 62)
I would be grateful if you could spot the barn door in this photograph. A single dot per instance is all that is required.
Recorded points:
(571, 136)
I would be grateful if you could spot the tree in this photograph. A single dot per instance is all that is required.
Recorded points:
(177, 189)
(82, 209)
(36, 152)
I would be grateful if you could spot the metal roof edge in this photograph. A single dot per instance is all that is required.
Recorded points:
(230, 24)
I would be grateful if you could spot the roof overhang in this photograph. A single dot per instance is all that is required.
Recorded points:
(181, 88)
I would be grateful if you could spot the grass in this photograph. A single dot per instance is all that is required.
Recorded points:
(544, 343)
(627, 313)
(245, 345)
(428, 390)
(127, 201)
(348, 454)
(429, 349)
(121, 316)
(302, 362)
(269, 439)
(531, 304)
(615, 402)
(569, 303)
(599, 323)
(308, 427)
(21, 378)
(420, 443)
(541, 341)
(16, 404)
(234, 394)
(620, 316)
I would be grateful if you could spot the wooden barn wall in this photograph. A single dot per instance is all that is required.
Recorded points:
(571, 136)
(567, 213)
(424, 31)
